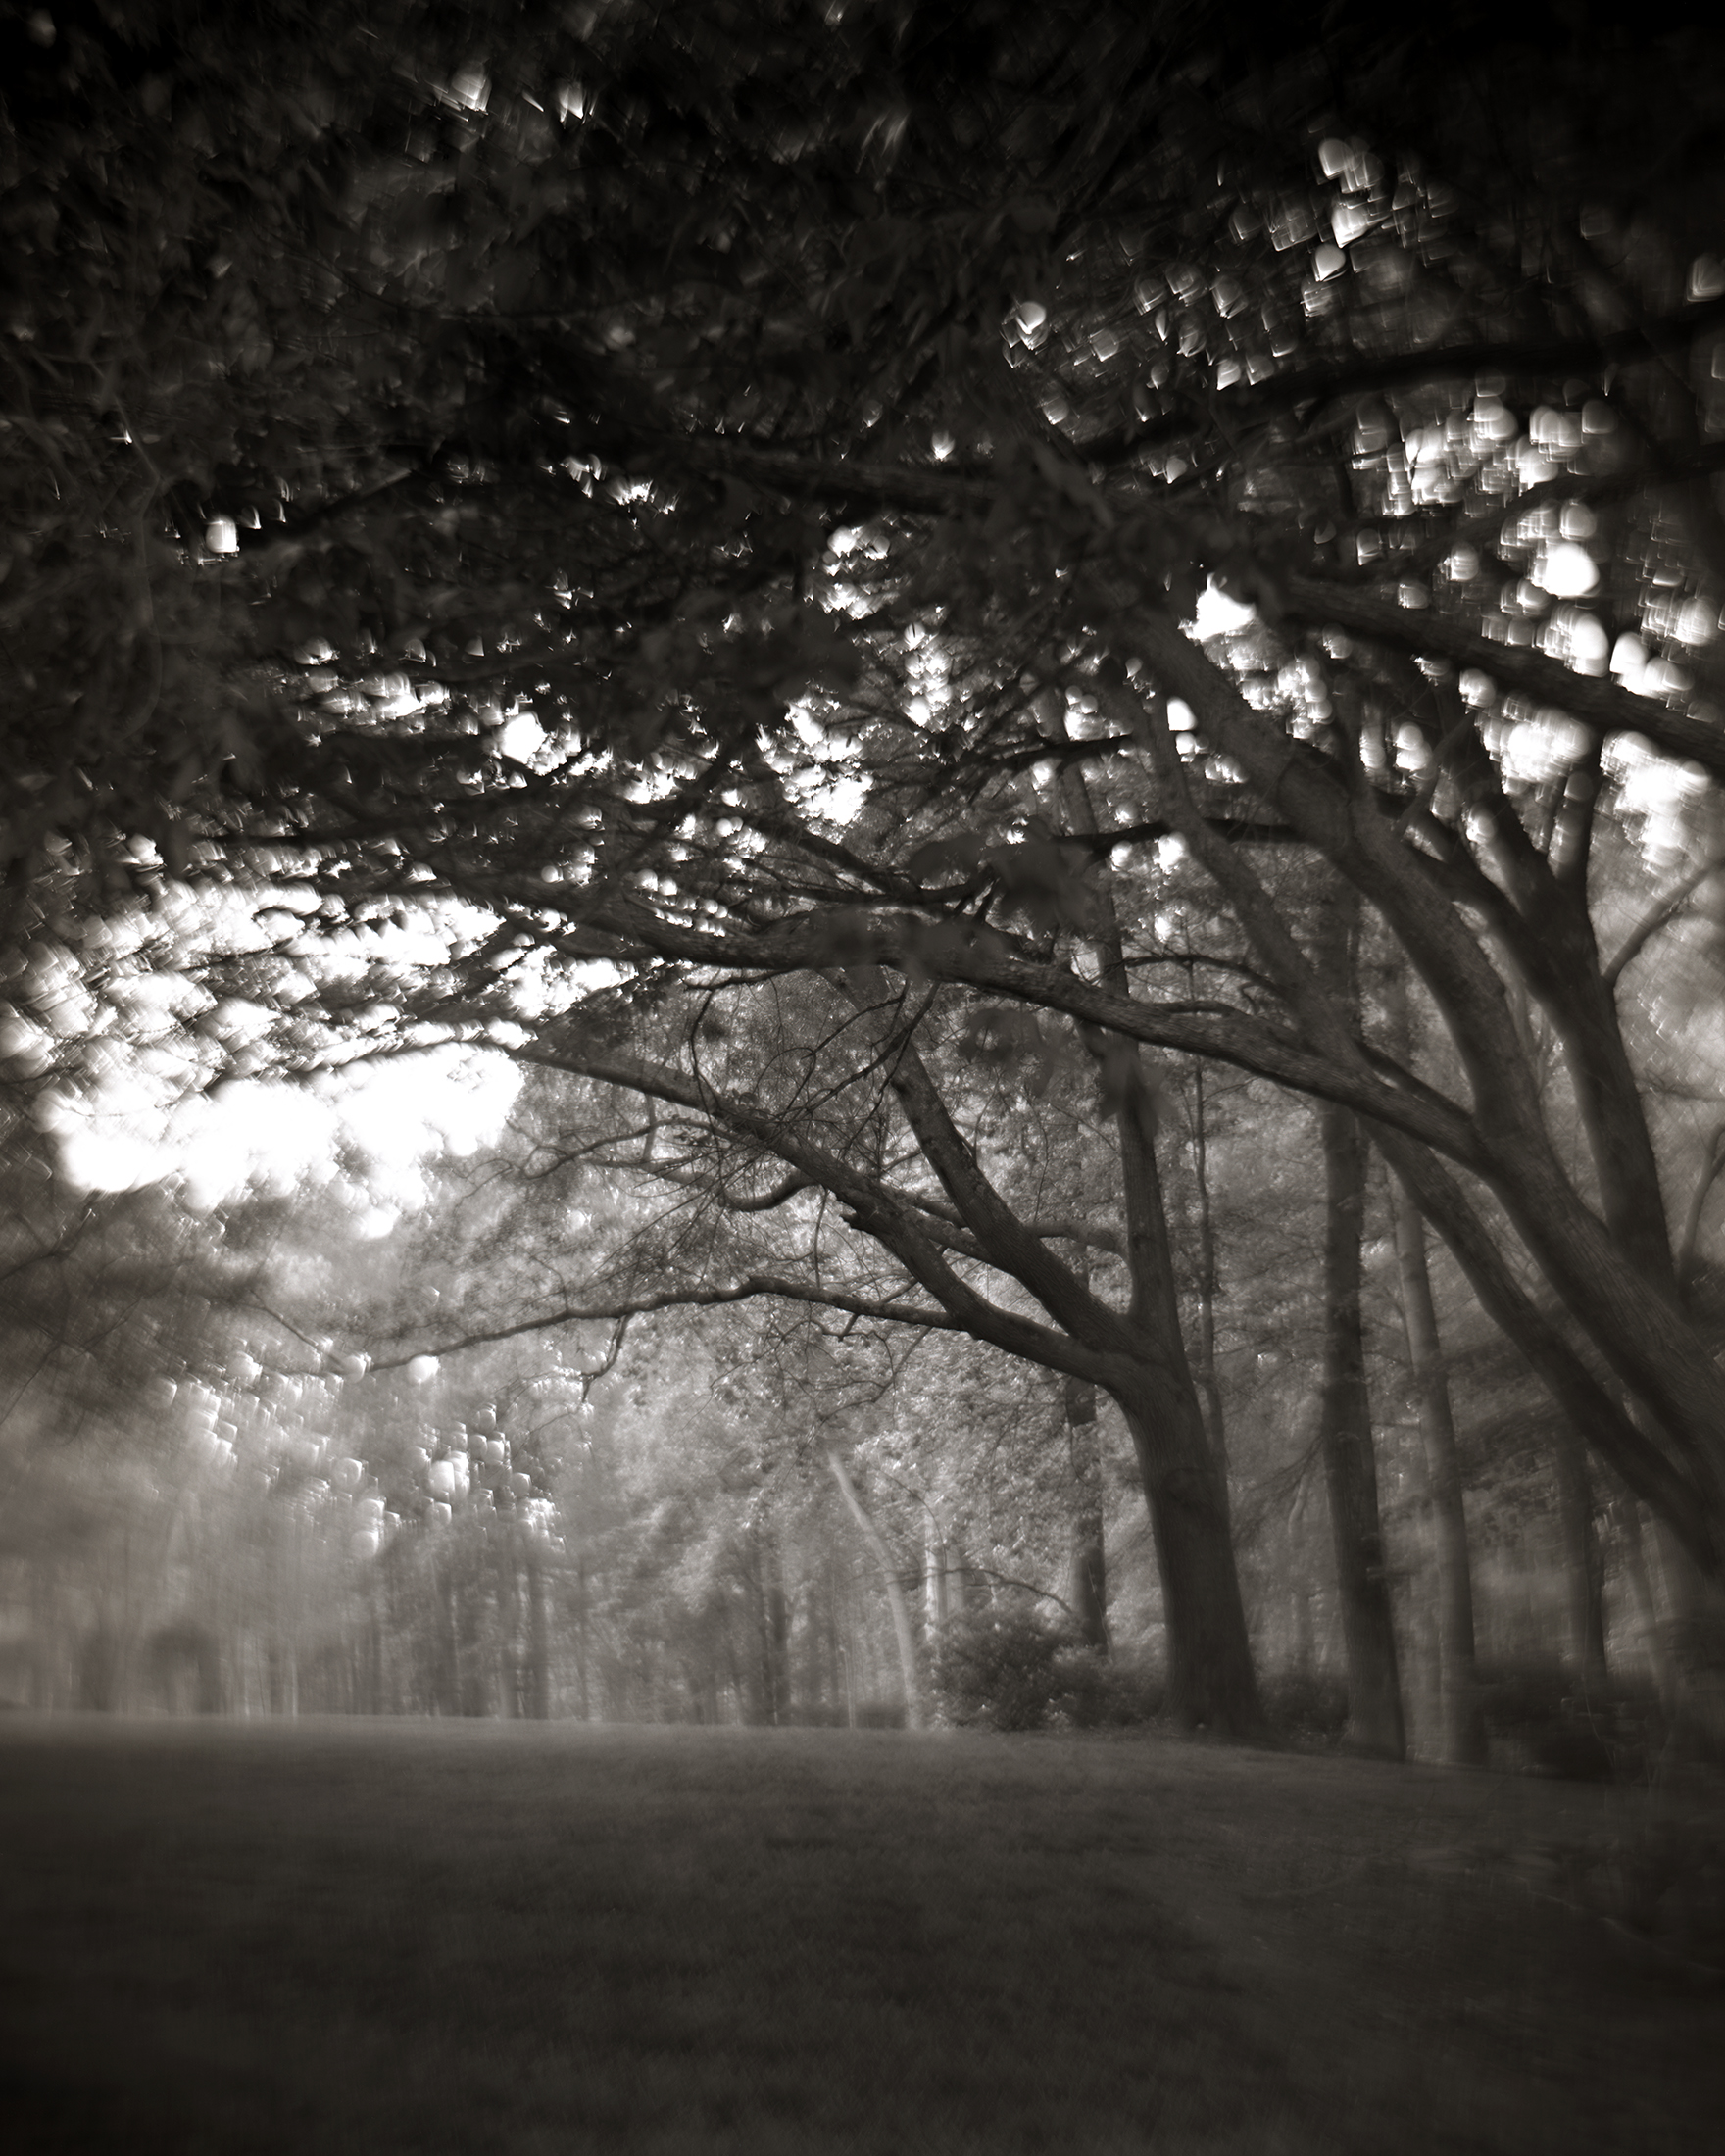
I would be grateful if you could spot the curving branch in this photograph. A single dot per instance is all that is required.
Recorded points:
(1665, 910)
(619, 1310)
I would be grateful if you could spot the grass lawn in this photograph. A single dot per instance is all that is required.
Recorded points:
(335, 1936)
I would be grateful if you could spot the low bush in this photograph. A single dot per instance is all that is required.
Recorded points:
(1305, 1706)
(1093, 1692)
(1010, 1669)
(1544, 1720)
(998, 1669)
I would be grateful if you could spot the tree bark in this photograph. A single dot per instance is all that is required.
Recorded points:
(908, 1674)
(1695, 1652)
(1583, 1573)
(1345, 1431)
(1632, 1549)
(1374, 1690)
(1210, 1389)
(1088, 1584)
(937, 1579)
(777, 1631)
(1212, 1682)
(1462, 1741)
(538, 1671)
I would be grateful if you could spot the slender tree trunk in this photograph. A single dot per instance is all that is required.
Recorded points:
(1089, 1585)
(538, 1671)
(936, 1603)
(1374, 1691)
(777, 1634)
(1463, 1734)
(1632, 1548)
(1583, 1574)
(1304, 1634)
(1210, 1388)
(584, 1686)
(1345, 1431)
(909, 1675)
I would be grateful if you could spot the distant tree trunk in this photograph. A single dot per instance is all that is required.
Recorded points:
(1463, 1734)
(1583, 1572)
(511, 1648)
(837, 1652)
(1090, 1580)
(1210, 1388)
(1305, 1643)
(776, 1633)
(908, 1674)
(1632, 1550)
(537, 1687)
(474, 1692)
(937, 1584)
(1345, 1431)
(1374, 1690)
(583, 1641)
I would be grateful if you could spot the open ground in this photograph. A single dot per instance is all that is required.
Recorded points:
(236, 1939)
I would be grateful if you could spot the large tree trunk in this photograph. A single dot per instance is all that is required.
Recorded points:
(1462, 1741)
(908, 1674)
(1211, 1682)
(1374, 1690)
(1088, 1581)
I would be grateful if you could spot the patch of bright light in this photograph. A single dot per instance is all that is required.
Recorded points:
(1566, 570)
(839, 800)
(522, 737)
(273, 1135)
(1219, 616)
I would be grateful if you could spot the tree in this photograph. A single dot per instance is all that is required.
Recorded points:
(798, 519)
(1344, 1434)
(1463, 1728)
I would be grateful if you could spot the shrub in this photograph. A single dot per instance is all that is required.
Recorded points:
(1541, 1716)
(1306, 1706)
(999, 1669)
(1093, 1692)
(1010, 1670)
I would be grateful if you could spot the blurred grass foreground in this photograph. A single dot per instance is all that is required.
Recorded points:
(446, 1935)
